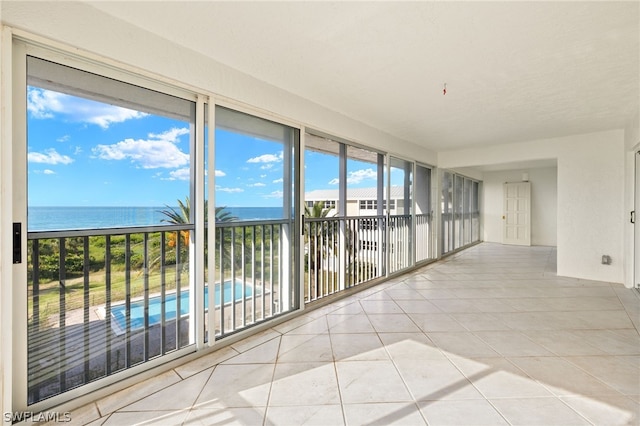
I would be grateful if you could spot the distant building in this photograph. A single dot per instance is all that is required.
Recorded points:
(360, 201)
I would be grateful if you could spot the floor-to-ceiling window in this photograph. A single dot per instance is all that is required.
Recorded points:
(446, 213)
(475, 211)
(255, 219)
(124, 270)
(423, 214)
(344, 217)
(323, 261)
(109, 283)
(459, 212)
(364, 231)
(400, 218)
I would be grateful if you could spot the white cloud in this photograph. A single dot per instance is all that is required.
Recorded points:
(278, 180)
(158, 151)
(50, 156)
(267, 166)
(357, 176)
(220, 173)
(266, 158)
(256, 185)
(63, 138)
(230, 190)
(263, 176)
(43, 104)
(275, 194)
(171, 135)
(48, 172)
(180, 174)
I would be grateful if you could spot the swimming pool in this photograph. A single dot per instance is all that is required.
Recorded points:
(118, 312)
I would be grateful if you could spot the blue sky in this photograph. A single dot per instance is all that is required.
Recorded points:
(87, 153)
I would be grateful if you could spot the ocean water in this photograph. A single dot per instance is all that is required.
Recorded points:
(66, 218)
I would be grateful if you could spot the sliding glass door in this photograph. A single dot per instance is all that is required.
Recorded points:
(400, 191)
(423, 215)
(460, 215)
(109, 282)
(256, 237)
(123, 266)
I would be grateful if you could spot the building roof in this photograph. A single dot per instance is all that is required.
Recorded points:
(397, 192)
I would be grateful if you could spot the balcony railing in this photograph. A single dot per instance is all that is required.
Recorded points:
(423, 246)
(344, 252)
(102, 301)
(256, 280)
(400, 242)
(341, 253)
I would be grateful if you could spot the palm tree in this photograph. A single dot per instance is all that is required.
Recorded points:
(317, 237)
(181, 215)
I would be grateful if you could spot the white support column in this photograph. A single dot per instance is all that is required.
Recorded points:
(380, 211)
(412, 194)
(342, 212)
(196, 251)
(286, 236)
(211, 220)
(301, 206)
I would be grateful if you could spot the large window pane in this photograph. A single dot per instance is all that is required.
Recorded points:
(255, 235)
(99, 156)
(467, 211)
(109, 170)
(322, 249)
(458, 206)
(364, 231)
(423, 214)
(344, 219)
(475, 213)
(400, 235)
(447, 213)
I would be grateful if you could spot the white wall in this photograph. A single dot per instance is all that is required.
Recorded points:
(591, 210)
(632, 132)
(632, 145)
(544, 204)
(591, 203)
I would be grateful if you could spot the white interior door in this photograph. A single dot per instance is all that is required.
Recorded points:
(636, 226)
(517, 214)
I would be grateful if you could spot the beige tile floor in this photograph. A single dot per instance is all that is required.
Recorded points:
(488, 336)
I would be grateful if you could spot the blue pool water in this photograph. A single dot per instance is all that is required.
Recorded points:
(118, 312)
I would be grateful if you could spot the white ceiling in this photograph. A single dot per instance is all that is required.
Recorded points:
(514, 71)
